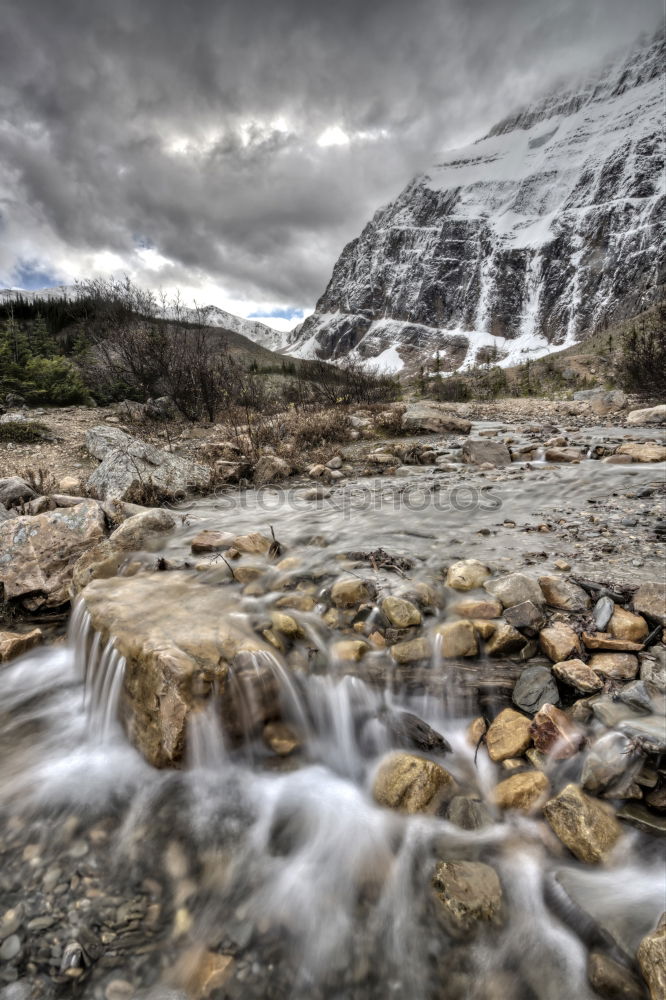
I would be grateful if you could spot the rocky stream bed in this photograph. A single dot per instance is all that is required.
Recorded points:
(391, 729)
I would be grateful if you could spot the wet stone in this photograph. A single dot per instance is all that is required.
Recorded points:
(468, 813)
(612, 980)
(563, 594)
(522, 791)
(508, 735)
(583, 824)
(555, 734)
(558, 641)
(469, 892)
(617, 666)
(578, 675)
(527, 617)
(535, 687)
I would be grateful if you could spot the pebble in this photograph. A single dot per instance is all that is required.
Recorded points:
(10, 948)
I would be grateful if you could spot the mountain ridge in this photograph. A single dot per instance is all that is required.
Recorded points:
(544, 229)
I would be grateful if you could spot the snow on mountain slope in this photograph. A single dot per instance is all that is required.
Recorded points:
(550, 226)
(257, 332)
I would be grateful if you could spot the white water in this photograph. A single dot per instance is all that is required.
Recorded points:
(298, 849)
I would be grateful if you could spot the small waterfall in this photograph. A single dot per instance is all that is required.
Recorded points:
(206, 749)
(102, 672)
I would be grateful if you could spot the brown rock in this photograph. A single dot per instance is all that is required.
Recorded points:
(563, 594)
(200, 972)
(99, 562)
(349, 650)
(602, 640)
(652, 960)
(515, 588)
(472, 608)
(181, 640)
(280, 738)
(412, 650)
(612, 980)
(13, 644)
(505, 640)
(508, 735)
(211, 541)
(253, 544)
(141, 531)
(457, 639)
(348, 591)
(412, 784)
(470, 893)
(484, 626)
(401, 613)
(555, 734)
(286, 625)
(578, 675)
(643, 452)
(586, 826)
(522, 791)
(558, 641)
(37, 554)
(625, 625)
(617, 666)
(562, 455)
(476, 730)
(650, 600)
(468, 574)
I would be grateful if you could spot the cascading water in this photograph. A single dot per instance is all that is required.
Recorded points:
(282, 873)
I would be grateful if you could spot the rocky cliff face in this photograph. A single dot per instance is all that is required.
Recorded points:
(549, 227)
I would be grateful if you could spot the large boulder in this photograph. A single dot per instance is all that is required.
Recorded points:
(133, 469)
(142, 531)
(643, 452)
(653, 415)
(476, 452)
(183, 643)
(608, 402)
(433, 418)
(37, 554)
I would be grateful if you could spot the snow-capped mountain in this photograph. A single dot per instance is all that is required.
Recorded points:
(547, 228)
(259, 333)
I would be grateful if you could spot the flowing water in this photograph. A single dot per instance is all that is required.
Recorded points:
(288, 864)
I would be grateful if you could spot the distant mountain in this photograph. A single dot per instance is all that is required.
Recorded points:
(265, 336)
(549, 227)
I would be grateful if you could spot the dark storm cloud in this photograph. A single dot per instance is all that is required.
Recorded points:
(192, 128)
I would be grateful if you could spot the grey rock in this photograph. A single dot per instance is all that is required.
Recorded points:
(475, 452)
(534, 688)
(10, 948)
(603, 612)
(130, 468)
(468, 813)
(433, 418)
(527, 617)
(635, 695)
(14, 490)
(515, 588)
(653, 670)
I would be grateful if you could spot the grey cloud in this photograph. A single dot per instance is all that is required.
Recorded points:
(94, 91)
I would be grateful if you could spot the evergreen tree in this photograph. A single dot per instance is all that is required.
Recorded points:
(42, 343)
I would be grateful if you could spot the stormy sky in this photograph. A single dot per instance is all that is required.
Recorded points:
(230, 148)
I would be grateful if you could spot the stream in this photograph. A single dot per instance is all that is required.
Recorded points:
(280, 875)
